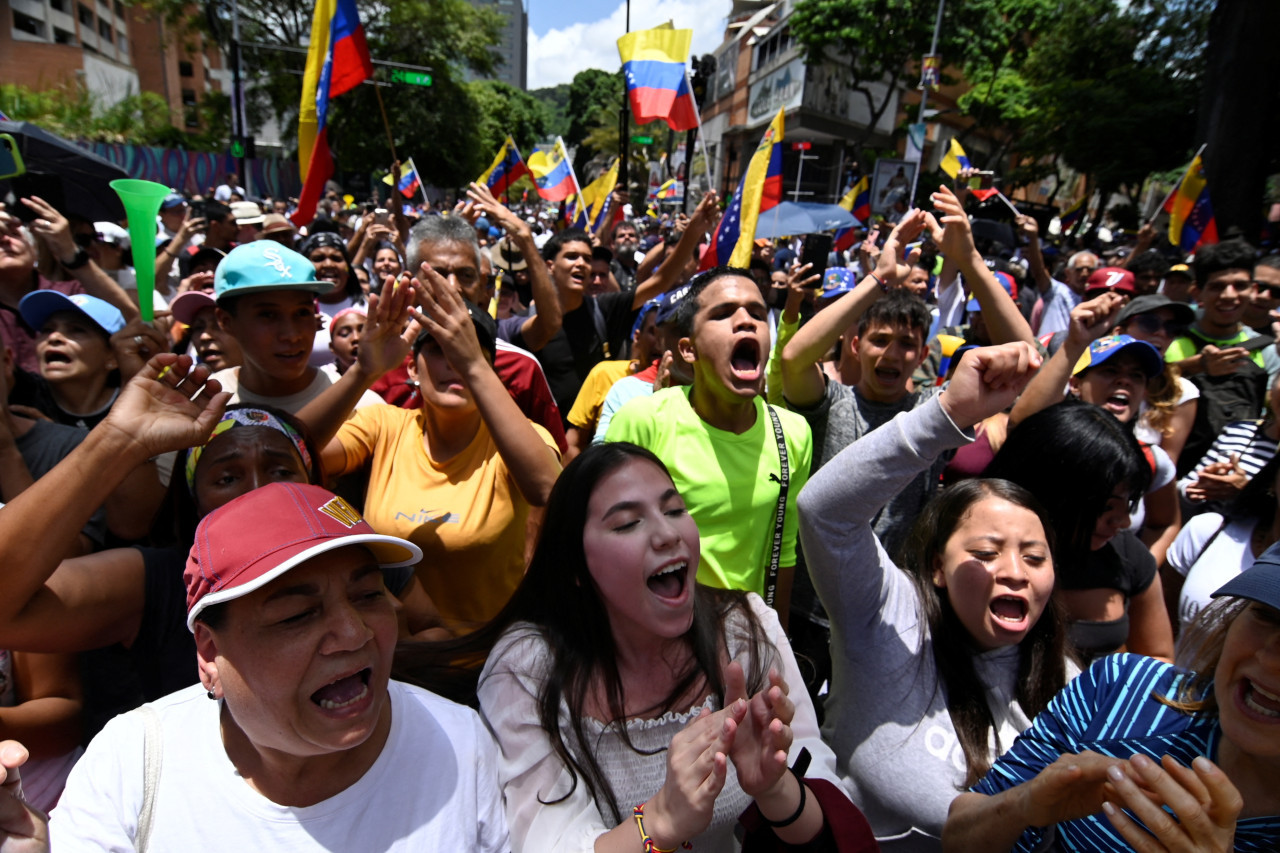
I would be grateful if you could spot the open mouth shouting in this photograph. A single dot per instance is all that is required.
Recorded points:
(1010, 613)
(745, 360)
(345, 693)
(1118, 403)
(670, 582)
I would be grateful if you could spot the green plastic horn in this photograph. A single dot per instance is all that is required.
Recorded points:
(142, 204)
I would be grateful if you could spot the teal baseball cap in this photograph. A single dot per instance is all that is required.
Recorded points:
(265, 265)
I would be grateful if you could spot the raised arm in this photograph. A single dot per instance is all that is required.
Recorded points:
(802, 380)
(533, 464)
(954, 236)
(1089, 321)
(837, 505)
(1035, 260)
(383, 345)
(668, 275)
(542, 326)
(52, 227)
(168, 406)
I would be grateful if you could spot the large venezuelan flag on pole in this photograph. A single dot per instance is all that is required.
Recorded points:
(759, 190)
(653, 63)
(507, 168)
(1191, 220)
(552, 173)
(337, 61)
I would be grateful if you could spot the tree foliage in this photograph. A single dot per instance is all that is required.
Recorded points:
(556, 101)
(141, 119)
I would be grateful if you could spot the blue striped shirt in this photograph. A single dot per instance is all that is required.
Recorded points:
(1110, 709)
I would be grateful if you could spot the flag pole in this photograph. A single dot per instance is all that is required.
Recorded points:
(624, 124)
(386, 125)
(702, 141)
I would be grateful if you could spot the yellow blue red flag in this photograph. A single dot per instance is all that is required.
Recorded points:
(759, 190)
(551, 173)
(654, 66)
(507, 168)
(1191, 220)
(337, 61)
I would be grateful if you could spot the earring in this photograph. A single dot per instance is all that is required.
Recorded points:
(211, 694)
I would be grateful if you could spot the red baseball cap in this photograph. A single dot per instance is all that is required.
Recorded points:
(247, 543)
(1114, 279)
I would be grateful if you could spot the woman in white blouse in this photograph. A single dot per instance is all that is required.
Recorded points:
(619, 686)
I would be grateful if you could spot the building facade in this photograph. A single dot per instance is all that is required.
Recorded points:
(513, 43)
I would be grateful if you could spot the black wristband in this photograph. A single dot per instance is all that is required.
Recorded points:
(801, 765)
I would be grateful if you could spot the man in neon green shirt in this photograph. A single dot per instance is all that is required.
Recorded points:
(717, 436)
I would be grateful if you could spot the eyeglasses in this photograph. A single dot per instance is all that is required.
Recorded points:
(84, 241)
(1083, 268)
(1152, 324)
(1271, 290)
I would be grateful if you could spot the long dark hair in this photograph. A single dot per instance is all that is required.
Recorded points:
(1073, 456)
(1041, 665)
(560, 599)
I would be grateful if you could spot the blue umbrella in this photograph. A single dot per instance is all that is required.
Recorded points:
(803, 217)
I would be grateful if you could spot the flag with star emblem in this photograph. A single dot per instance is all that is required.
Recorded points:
(1191, 219)
(759, 190)
(653, 63)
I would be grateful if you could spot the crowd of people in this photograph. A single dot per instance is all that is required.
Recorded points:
(463, 529)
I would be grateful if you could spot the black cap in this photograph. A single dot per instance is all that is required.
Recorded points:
(486, 331)
(1183, 313)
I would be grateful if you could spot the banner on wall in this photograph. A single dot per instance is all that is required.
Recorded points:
(199, 171)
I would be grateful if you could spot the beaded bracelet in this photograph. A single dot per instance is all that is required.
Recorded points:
(878, 280)
(647, 842)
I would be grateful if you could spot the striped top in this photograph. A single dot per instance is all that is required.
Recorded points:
(1245, 438)
(1110, 709)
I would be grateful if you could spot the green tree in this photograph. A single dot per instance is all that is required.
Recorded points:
(595, 97)
(503, 109)
(556, 101)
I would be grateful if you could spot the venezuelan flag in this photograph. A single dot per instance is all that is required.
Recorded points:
(759, 190)
(595, 197)
(507, 168)
(858, 202)
(337, 61)
(1073, 214)
(1191, 219)
(409, 180)
(955, 160)
(551, 173)
(653, 63)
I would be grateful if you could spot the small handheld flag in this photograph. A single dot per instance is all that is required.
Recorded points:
(551, 173)
(409, 181)
(955, 160)
(1191, 219)
(507, 168)
(1073, 214)
(858, 202)
(653, 63)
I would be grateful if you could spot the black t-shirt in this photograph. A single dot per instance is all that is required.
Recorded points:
(586, 338)
(1125, 564)
(164, 652)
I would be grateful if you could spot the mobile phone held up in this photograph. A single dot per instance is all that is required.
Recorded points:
(816, 250)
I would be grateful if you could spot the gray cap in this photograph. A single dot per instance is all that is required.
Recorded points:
(1182, 312)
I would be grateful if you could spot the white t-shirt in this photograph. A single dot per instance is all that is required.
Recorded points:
(1143, 431)
(1161, 477)
(230, 379)
(433, 787)
(1206, 569)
